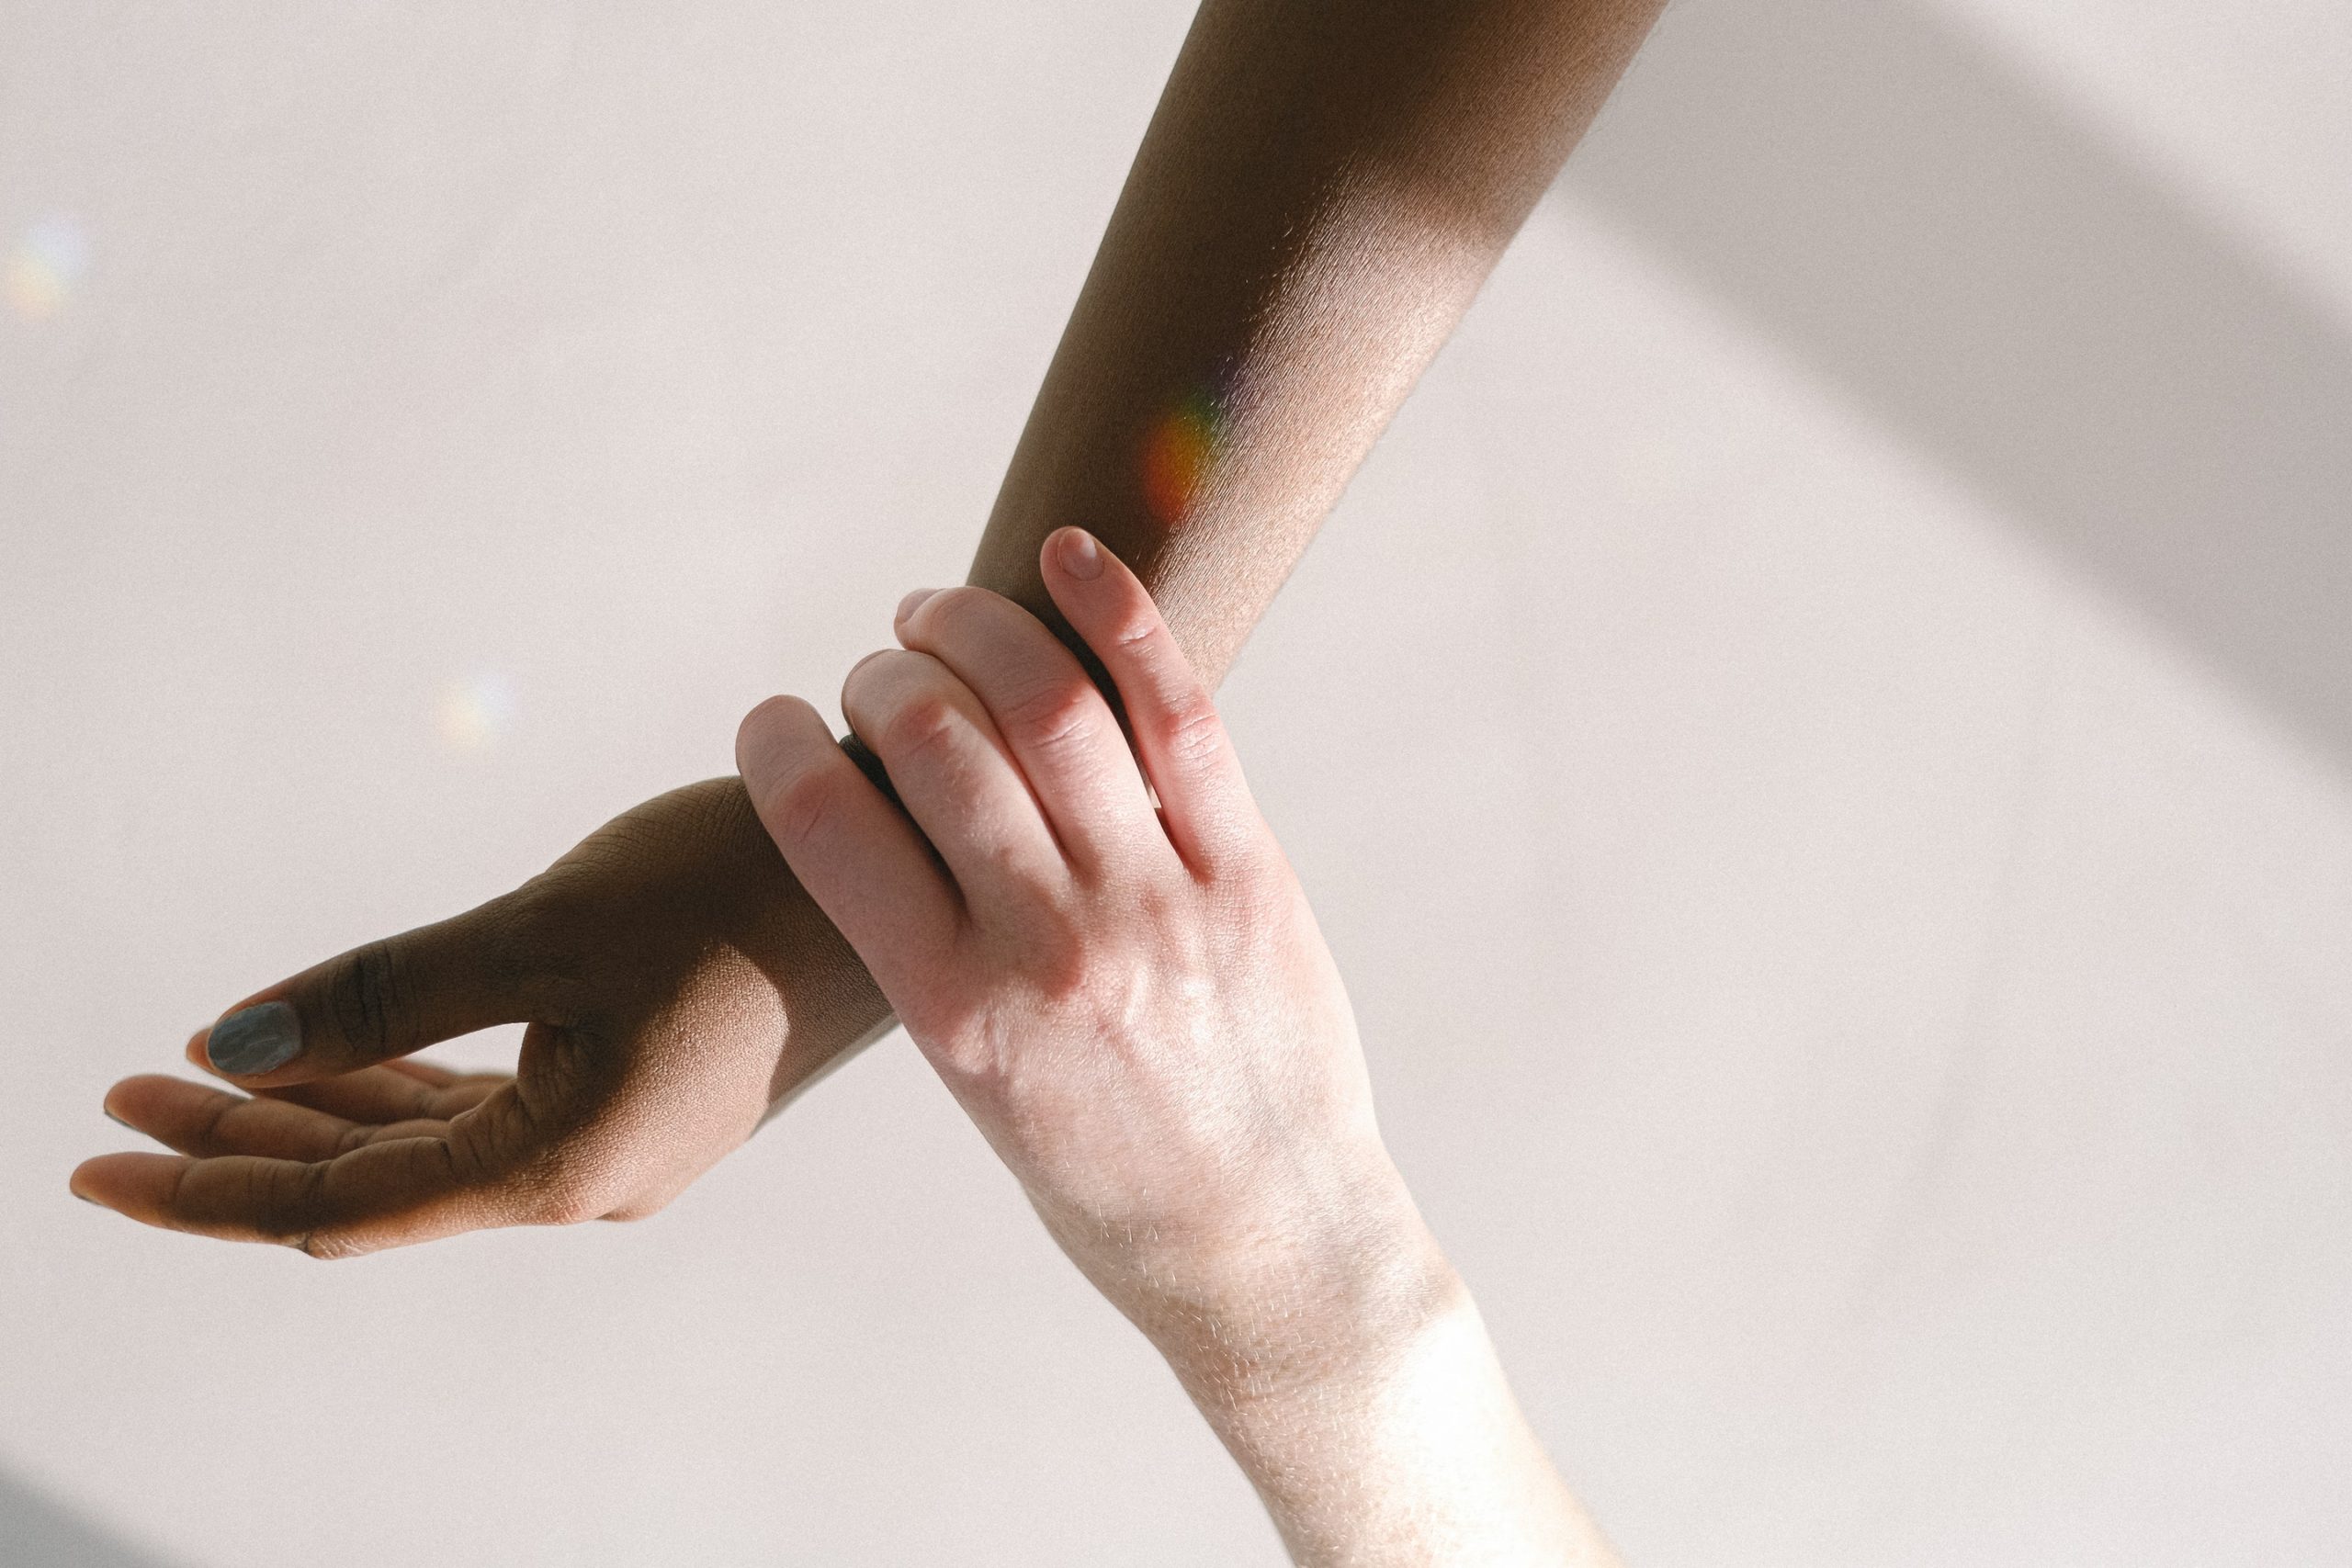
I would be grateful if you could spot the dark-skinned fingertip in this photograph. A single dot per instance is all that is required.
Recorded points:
(258, 1039)
(107, 1112)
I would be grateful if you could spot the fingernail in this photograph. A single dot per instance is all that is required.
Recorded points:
(258, 1039)
(117, 1120)
(912, 602)
(90, 1200)
(1082, 557)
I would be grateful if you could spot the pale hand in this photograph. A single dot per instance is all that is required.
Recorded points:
(1106, 958)
(1130, 999)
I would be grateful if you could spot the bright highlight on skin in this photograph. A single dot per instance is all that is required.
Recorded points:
(475, 712)
(1178, 454)
(46, 266)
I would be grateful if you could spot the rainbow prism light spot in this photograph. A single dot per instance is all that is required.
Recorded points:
(46, 266)
(476, 711)
(1178, 454)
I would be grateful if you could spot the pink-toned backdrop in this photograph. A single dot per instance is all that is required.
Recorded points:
(1822, 740)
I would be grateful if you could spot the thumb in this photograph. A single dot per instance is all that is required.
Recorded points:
(385, 999)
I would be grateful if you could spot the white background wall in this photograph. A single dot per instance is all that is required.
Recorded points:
(1822, 740)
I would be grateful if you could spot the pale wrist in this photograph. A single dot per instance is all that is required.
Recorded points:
(1316, 1309)
(1416, 1453)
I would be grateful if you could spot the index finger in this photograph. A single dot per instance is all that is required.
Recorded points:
(1179, 737)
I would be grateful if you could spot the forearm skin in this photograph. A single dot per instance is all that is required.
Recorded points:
(1323, 189)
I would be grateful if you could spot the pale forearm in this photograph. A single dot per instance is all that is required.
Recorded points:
(1430, 1465)
(1323, 189)
(1367, 1407)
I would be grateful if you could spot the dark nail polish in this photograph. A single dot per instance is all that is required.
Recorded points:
(258, 1039)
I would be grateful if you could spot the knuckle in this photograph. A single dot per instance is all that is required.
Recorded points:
(537, 945)
(1054, 716)
(516, 937)
(1191, 731)
(1250, 892)
(570, 1206)
(1064, 961)
(801, 807)
(367, 998)
(560, 1191)
(1133, 632)
(209, 1134)
(533, 931)
(922, 724)
(977, 1060)
(295, 1197)
(328, 1247)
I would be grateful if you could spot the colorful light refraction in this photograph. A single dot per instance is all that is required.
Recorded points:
(45, 267)
(475, 712)
(1177, 456)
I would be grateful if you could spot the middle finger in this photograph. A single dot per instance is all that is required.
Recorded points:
(207, 1122)
(1060, 729)
(954, 774)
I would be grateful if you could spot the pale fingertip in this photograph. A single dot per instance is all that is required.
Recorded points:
(851, 678)
(911, 603)
(760, 738)
(1077, 552)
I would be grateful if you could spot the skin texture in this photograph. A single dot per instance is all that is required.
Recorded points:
(1324, 188)
(1321, 191)
(637, 1071)
(1124, 988)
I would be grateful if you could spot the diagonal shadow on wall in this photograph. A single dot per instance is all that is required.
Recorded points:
(38, 1533)
(1919, 224)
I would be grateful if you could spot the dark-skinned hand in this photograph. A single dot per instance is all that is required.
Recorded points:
(677, 984)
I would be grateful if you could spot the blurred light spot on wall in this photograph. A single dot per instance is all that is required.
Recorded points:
(476, 711)
(45, 268)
